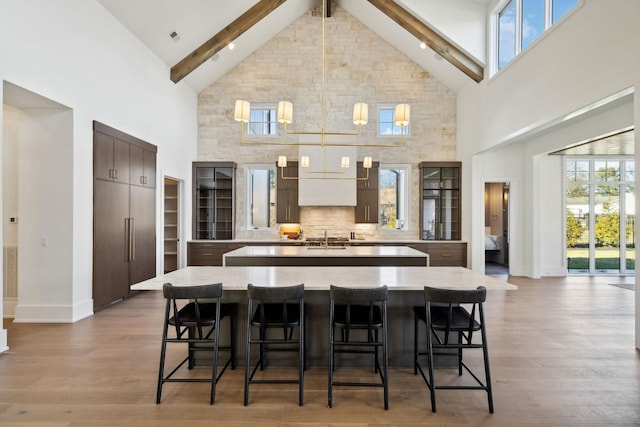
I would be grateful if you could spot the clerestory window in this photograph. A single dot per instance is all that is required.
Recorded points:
(521, 22)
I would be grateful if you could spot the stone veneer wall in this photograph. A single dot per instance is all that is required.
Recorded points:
(360, 67)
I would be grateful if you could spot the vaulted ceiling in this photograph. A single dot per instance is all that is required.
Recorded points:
(191, 36)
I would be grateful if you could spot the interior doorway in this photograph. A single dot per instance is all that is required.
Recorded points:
(496, 228)
(171, 224)
(37, 210)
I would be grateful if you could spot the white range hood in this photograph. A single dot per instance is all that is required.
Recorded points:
(325, 182)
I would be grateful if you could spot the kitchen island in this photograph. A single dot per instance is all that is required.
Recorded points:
(309, 256)
(405, 285)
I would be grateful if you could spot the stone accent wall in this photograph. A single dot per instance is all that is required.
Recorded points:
(360, 67)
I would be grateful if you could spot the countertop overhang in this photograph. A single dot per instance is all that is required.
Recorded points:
(319, 278)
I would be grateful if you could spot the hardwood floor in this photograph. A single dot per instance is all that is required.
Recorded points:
(562, 353)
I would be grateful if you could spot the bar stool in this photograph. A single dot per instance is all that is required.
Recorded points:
(450, 326)
(193, 323)
(275, 308)
(359, 309)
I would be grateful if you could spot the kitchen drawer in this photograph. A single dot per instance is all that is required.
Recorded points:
(452, 254)
(208, 253)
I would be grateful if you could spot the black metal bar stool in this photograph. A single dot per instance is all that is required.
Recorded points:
(193, 321)
(359, 309)
(449, 326)
(275, 308)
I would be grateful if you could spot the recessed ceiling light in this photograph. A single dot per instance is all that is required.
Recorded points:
(423, 45)
(232, 46)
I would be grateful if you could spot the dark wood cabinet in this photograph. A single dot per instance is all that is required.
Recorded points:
(142, 167)
(366, 210)
(110, 242)
(213, 200)
(440, 200)
(287, 209)
(205, 253)
(124, 227)
(111, 158)
(209, 253)
(444, 254)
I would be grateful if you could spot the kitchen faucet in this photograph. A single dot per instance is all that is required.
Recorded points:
(326, 239)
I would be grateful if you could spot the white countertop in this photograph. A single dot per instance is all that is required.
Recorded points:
(331, 251)
(319, 278)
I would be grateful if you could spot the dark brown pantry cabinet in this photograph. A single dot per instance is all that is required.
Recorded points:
(367, 194)
(287, 209)
(124, 227)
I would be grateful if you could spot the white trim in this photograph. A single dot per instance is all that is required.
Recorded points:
(53, 313)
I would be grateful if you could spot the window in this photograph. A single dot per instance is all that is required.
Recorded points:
(261, 196)
(507, 34)
(532, 21)
(600, 215)
(262, 121)
(386, 126)
(521, 22)
(393, 183)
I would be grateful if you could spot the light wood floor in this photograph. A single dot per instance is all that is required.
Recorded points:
(562, 353)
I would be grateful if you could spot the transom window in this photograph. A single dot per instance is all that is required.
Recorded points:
(521, 22)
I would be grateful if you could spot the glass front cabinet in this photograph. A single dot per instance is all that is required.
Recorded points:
(213, 200)
(440, 200)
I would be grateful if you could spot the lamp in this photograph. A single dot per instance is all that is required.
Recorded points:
(241, 112)
(401, 116)
(284, 116)
(345, 161)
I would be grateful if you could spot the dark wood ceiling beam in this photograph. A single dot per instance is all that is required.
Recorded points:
(223, 38)
(449, 51)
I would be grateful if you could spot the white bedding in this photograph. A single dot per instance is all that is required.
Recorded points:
(492, 243)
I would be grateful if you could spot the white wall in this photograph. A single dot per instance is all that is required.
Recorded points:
(462, 21)
(590, 57)
(106, 75)
(529, 104)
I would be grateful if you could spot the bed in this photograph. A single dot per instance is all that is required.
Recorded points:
(492, 243)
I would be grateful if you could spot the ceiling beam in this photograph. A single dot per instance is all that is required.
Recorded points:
(223, 38)
(448, 50)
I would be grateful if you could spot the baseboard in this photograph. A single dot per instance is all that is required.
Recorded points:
(53, 313)
(553, 272)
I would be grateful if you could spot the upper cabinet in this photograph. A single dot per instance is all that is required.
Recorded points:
(287, 209)
(142, 167)
(111, 157)
(367, 194)
(440, 200)
(213, 200)
(119, 157)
